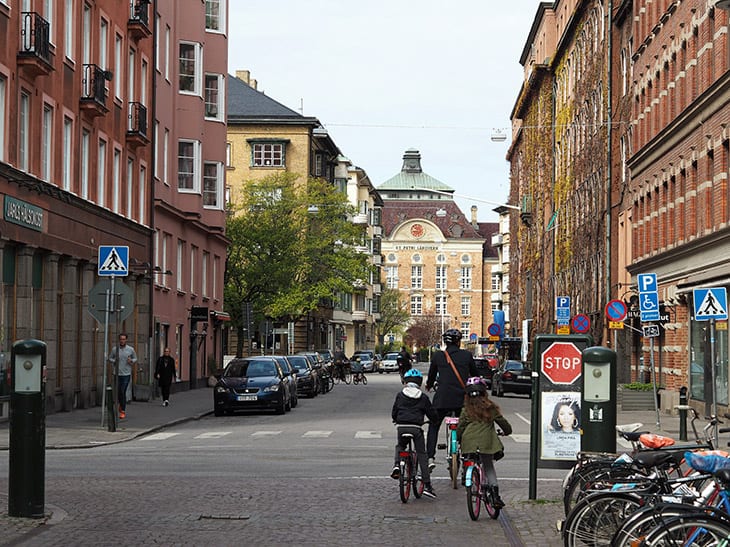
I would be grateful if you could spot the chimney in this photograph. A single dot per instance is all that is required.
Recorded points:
(245, 77)
(474, 216)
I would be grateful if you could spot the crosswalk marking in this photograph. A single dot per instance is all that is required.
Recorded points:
(369, 435)
(317, 434)
(265, 433)
(159, 436)
(213, 435)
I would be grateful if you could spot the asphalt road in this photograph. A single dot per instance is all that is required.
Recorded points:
(315, 476)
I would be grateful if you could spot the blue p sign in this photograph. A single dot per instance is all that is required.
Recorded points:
(647, 282)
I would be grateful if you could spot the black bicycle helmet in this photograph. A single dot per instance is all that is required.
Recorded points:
(452, 336)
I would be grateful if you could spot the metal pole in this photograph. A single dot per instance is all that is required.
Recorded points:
(106, 355)
(712, 364)
(534, 434)
(653, 377)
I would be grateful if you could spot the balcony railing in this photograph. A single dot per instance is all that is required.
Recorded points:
(137, 124)
(35, 43)
(139, 18)
(93, 88)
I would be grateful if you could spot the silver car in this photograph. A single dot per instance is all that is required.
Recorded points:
(367, 359)
(389, 363)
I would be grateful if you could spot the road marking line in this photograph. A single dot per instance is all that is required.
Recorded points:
(317, 434)
(212, 435)
(265, 433)
(159, 436)
(521, 417)
(369, 435)
(520, 437)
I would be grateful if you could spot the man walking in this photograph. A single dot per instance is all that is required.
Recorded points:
(165, 372)
(127, 360)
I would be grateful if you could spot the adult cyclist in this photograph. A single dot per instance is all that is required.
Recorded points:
(452, 367)
(404, 361)
(340, 360)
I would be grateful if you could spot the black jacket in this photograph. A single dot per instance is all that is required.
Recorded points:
(410, 407)
(165, 369)
(450, 394)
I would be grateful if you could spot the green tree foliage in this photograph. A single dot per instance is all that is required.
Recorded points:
(394, 314)
(284, 258)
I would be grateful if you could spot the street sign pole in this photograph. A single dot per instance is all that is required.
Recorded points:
(712, 363)
(653, 377)
(106, 405)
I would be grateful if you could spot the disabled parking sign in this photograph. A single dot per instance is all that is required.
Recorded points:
(648, 297)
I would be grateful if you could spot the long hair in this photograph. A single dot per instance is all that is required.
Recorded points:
(573, 405)
(481, 408)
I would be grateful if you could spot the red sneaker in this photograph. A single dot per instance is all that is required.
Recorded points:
(122, 414)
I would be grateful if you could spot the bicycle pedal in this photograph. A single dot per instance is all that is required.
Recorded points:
(442, 446)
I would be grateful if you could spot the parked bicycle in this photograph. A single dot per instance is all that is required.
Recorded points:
(453, 451)
(478, 490)
(409, 479)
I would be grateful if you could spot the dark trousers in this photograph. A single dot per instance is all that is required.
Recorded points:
(165, 389)
(123, 383)
(420, 446)
(433, 428)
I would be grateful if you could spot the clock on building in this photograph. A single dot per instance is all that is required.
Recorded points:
(417, 230)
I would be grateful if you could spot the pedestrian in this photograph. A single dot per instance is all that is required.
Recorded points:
(451, 367)
(404, 361)
(410, 407)
(477, 432)
(165, 373)
(127, 361)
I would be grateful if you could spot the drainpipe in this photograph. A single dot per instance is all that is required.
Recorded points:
(609, 155)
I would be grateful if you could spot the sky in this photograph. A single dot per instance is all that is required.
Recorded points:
(385, 76)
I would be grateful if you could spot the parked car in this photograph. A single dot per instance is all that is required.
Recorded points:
(291, 374)
(324, 369)
(513, 377)
(389, 363)
(326, 355)
(307, 377)
(486, 365)
(367, 359)
(250, 383)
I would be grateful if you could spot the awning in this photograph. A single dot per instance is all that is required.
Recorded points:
(220, 316)
(712, 277)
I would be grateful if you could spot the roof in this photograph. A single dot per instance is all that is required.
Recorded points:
(246, 103)
(453, 224)
(412, 176)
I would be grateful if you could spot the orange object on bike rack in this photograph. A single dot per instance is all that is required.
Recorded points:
(652, 440)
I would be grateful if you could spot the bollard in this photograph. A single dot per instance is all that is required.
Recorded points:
(683, 407)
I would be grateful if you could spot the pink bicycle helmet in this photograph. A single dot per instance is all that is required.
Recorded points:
(475, 386)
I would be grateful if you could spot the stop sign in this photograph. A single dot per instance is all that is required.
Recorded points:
(561, 363)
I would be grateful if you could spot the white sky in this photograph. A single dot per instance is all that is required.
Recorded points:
(385, 76)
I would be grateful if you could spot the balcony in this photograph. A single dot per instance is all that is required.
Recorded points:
(138, 25)
(497, 240)
(359, 315)
(359, 218)
(137, 125)
(93, 90)
(34, 55)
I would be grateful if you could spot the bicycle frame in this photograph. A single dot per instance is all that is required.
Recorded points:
(453, 454)
(485, 493)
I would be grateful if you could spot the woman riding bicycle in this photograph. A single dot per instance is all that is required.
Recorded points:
(340, 360)
(476, 430)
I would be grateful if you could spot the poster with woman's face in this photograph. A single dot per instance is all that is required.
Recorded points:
(560, 425)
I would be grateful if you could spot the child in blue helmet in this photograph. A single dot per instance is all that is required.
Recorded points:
(409, 409)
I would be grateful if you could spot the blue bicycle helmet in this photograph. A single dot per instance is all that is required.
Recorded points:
(413, 375)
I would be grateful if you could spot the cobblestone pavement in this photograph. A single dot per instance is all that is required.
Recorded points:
(97, 512)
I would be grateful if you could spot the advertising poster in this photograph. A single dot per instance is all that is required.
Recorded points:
(560, 425)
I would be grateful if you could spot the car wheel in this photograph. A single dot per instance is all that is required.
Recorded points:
(281, 408)
(494, 389)
(218, 411)
(500, 391)
(295, 401)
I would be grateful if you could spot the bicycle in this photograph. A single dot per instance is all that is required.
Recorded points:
(409, 478)
(478, 490)
(453, 450)
(342, 373)
(358, 376)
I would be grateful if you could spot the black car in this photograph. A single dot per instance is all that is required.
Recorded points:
(307, 377)
(252, 383)
(513, 377)
(486, 365)
(292, 375)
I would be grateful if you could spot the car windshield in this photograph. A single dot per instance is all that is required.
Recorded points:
(513, 365)
(392, 356)
(250, 369)
(298, 362)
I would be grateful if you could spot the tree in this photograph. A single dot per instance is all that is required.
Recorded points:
(426, 330)
(282, 260)
(394, 314)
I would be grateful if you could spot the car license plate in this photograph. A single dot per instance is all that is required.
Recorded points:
(246, 397)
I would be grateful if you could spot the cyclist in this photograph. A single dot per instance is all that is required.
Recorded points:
(449, 398)
(340, 360)
(410, 407)
(404, 361)
(476, 430)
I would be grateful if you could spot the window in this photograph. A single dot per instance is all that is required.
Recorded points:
(24, 131)
(180, 250)
(86, 35)
(318, 165)
(118, 43)
(116, 174)
(68, 125)
(157, 42)
(204, 274)
(165, 156)
(3, 119)
(101, 174)
(188, 158)
(391, 277)
(143, 83)
(228, 155)
(142, 196)
(103, 38)
(48, 16)
(168, 52)
(212, 185)
(193, 260)
(85, 143)
(68, 29)
(416, 305)
(131, 74)
(190, 75)
(130, 187)
(267, 154)
(156, 141)
(215, 15)
(465, 279)
(466, 305)
(495, 282)
(416, 277)
(440, 304)
(213, 96)
(216, 269)
(465, 328)
(163, 264)
(441, 277)
(47, 143)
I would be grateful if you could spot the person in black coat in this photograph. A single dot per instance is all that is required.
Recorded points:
(404, 361)
(165, 372)
(449, 397)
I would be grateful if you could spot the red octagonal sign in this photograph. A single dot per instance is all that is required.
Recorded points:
(561, 363)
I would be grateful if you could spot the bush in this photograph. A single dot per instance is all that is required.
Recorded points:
(639, 386)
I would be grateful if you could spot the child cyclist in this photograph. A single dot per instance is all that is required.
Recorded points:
(409, 409)
(476, 431)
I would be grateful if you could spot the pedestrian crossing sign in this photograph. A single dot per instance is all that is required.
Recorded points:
(710, 303)
(113, 260)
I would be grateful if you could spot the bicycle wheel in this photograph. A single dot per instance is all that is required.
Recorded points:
(595, 519)
(647, 519)
(454, 470)
(473, 494)
(347, 375)
(330, 383)
(364, 380)
(492, 511)
(690, 530)
(417, 483)
(590, 475)
(404, 482)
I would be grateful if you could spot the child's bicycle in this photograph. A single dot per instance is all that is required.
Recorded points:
(358, 376)
(453, 451)
(409, 478)
(478, 490)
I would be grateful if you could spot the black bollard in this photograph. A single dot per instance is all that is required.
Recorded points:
(683, 413)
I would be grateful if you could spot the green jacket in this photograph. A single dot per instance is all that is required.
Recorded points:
(475, 435)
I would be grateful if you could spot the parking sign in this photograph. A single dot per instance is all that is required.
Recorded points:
(648, 297)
